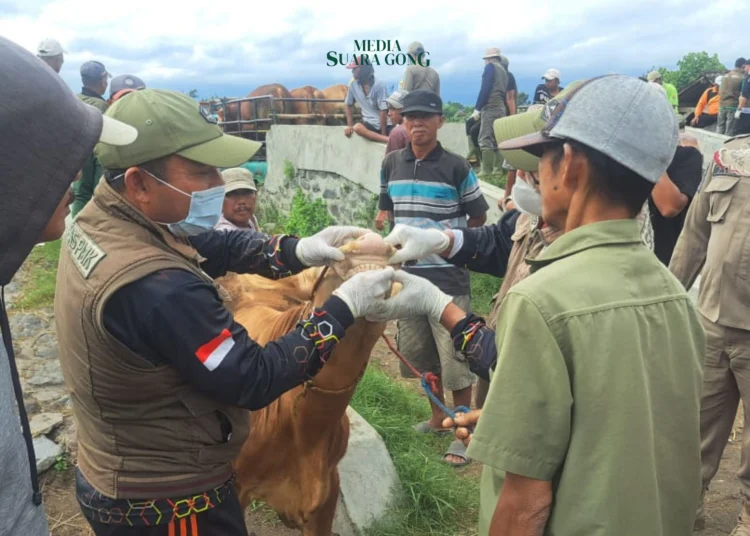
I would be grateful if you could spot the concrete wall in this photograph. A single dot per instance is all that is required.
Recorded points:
(347, 168)
(709, 142)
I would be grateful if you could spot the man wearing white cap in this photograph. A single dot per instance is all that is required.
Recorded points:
(50, 51)
(550, 88)
(491, 103)
(240, 198)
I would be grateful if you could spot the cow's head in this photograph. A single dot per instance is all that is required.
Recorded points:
(268, 309)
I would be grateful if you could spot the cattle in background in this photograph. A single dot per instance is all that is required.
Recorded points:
(290, 458)
(336, 92)
(257, 109)
(309, 107)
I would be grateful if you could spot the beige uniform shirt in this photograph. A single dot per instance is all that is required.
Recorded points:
(715, 241)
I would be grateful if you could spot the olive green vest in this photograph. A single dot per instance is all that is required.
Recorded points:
(99, 104)
(143, 431)
(499, 89)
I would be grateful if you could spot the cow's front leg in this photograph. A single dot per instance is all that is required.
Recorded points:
(321, 520)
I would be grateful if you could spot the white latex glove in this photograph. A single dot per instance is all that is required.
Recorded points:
(362, 292)
(320, 249)
(419, 297)
(476, 114)
(737, 114)
(416, 243)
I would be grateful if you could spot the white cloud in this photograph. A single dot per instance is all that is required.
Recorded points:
(244, 44)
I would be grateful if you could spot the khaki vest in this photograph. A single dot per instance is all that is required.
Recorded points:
(499, 89)
(143, 431)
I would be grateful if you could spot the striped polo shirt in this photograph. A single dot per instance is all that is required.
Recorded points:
(439, 192)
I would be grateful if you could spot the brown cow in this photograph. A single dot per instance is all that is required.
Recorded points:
(290, 459)
(258, 109)
(337, 92)
(309, 107)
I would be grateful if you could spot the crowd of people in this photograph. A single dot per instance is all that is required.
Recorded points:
(606, 397)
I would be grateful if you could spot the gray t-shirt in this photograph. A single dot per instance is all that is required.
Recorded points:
(19, 514)
(370, 104)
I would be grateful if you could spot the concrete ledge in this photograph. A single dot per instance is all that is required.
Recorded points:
(326, 149)
(709, 142)
(369, 482)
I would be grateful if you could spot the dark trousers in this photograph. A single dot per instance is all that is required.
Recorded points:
(705, 120)
(226, 519)
(376, 130)
(474, 133)
(742, 125)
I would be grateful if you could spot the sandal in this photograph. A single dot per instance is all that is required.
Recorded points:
(425, 428)
(457, 448)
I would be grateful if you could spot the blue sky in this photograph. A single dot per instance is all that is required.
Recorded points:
(231, 47)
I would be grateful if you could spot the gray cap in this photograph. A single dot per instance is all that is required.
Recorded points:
(125, 81)
(94, 70)
(619, 116)
(47, 135)
(415, 47)
(396, 100)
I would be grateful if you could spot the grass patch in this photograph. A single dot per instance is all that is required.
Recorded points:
(496, 179)
(483, 288)
(40, 275)
(437, 500)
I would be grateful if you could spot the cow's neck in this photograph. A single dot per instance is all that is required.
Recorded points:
(349, 358)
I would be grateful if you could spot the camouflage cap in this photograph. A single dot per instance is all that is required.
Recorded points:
(168, 123)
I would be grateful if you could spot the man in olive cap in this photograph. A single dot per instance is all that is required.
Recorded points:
(160, 374)
(584, 431)
(95, 78)
(45, 135)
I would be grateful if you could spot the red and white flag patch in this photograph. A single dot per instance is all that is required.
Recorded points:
(214, 351)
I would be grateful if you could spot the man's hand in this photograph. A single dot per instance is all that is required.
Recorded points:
(362, 292)
(348, 131)
(380, 219)
(694, 121)
(476, 114)
(416, 243)
(321, 249)
(418, 297)
(464, 424)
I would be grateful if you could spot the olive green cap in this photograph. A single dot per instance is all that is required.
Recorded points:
(169, 122)
(529, 122)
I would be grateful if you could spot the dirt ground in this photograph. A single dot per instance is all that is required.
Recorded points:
(722, 502)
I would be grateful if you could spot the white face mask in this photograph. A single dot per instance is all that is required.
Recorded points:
(526, 198)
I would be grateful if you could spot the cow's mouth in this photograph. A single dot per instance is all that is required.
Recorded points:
(368, 252)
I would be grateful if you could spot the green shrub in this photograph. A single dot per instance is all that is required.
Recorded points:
(307, 217)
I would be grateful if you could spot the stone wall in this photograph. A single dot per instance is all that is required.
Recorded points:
(348, 202)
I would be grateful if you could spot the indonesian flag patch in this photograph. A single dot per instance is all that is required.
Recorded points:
(214, 351)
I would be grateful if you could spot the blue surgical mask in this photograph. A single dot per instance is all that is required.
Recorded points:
(204, 213)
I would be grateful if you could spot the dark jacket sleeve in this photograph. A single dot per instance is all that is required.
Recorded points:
(486, 249)
(686, 170)
(476, 343)
(246, 252)
(488, 78)
(173, 317)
